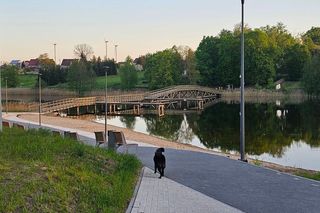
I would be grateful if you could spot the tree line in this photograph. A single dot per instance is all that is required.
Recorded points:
(271, 53)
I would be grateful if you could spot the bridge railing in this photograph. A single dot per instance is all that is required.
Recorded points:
(67, 103)
(167, 90)
(121, 98)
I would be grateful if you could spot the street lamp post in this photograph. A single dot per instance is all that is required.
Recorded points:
(55, 59)
(106, 107)
(39, 78)
(242, 110)
(106, 49)
(115, 52)
(0, 103)
(6, 95)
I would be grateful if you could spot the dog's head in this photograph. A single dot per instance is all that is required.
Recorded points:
(160, 150)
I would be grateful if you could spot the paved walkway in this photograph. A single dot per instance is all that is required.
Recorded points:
(165, 195)
(199, 182)
(243, 186)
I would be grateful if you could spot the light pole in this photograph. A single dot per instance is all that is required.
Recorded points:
(106, 49)
(39, 78)
(106, 106)
(6, 95)
(242, 110)
(115, 52)
(0, 103)
(54, 47)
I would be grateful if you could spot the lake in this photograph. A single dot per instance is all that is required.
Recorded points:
(286, 134)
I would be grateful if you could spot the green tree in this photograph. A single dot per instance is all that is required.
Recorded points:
(259, 66)
(207, 59)
(128, 74)
(164, 68)
(9, 73)
(190, 73)
(53, 75)
(81, 77)
(311, 76)
(294, 59)
(312, 39)
(45, 61)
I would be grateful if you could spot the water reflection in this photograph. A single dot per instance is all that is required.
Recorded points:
(272, 130)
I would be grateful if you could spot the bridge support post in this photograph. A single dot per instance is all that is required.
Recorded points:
(200, 104)
(136, 109)
(161, 110)
(78, 111)
(114, 108)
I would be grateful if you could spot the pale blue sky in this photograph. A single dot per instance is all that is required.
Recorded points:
(30, 27)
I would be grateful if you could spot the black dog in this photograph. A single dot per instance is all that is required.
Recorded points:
(159, 161)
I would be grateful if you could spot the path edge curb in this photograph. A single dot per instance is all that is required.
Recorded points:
(135, 192)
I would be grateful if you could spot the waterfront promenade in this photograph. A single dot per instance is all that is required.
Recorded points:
(200, 182)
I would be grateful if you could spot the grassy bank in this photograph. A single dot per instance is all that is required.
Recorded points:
(44, 173)
(310, 175)
(29, 81)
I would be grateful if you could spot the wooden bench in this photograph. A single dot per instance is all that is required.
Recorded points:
(19, 126)
(100, 138)
(120, 139)
(56, 133)
(116, 139)
(5, 124)
(72, 135)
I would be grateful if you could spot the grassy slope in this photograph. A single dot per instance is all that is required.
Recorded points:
(44, 173)
(28, 81)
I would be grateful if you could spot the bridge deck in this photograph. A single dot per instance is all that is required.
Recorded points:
(168, 97)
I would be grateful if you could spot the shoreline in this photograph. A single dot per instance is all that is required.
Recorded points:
(91, 126)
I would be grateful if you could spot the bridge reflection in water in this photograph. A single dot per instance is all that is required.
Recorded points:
(174, 99)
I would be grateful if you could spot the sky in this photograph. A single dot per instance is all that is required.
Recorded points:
(31, 27)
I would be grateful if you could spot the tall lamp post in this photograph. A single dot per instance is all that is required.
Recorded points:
(106, 107)
(55, 58)
(0, 103)
(115, 52)
(39, 84)
(242, 110)
(106, 49)
(6, 95)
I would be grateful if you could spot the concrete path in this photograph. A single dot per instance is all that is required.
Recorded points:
(164, 195)
(245, 187)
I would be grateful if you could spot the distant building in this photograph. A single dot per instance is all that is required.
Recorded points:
(138, 67)
(279, 84)
(66, 63)
(33, 64)
(16, 63)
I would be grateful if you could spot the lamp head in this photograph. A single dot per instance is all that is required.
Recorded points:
(242, 1)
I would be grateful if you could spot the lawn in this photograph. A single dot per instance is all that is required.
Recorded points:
(113, 81)
(40, 172)
(291, 85)
(27, 81)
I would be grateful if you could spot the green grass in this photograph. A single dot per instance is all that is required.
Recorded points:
(40, 172)
(290, 86)
(114, 82)
(313, 175)
(27, 81)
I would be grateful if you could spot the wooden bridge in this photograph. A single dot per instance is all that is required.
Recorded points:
(183, 97)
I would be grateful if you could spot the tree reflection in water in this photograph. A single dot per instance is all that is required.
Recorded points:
(270, 128)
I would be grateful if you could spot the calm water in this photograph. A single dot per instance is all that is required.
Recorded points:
(286, 134)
